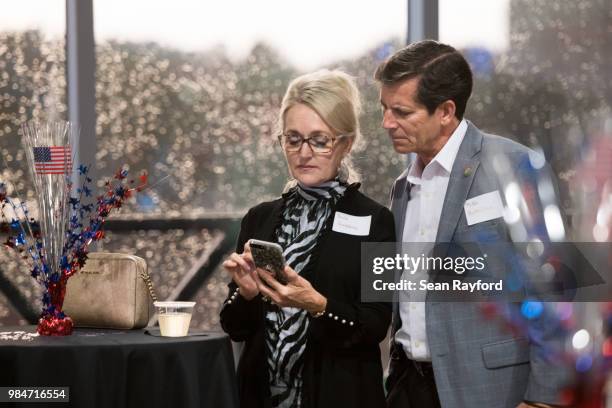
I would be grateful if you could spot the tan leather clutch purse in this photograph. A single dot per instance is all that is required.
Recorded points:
(111, 291)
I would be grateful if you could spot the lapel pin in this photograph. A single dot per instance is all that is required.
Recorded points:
(467, 171)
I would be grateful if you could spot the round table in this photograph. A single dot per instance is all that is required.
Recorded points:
(130, 368)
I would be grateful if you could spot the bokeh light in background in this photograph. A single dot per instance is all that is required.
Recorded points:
(32, 85)
(204, 116)
(549, 86)
(199, 118)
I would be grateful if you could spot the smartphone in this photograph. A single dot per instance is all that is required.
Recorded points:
(269, 256)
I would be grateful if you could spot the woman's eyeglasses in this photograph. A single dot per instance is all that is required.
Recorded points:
(318, 142)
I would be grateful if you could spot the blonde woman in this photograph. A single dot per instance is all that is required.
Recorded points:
(311, 342)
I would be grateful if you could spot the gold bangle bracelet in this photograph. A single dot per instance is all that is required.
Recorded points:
(317, 314)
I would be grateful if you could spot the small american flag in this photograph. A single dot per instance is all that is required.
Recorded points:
(52, 160)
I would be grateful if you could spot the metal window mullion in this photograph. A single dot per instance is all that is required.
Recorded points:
(81, 69)
(422, 20)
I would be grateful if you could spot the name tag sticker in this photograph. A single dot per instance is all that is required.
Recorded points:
(351, 224)
(485, 207)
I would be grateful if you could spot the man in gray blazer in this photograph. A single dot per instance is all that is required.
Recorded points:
(446, 353)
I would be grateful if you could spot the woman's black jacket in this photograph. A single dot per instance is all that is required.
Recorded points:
(342, 365)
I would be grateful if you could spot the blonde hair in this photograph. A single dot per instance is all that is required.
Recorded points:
(335, 98)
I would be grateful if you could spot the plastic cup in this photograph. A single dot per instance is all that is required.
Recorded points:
(174, 318)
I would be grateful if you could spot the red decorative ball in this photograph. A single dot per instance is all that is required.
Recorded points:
(54, 326)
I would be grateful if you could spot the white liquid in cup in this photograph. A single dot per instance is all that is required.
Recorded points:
(174, 324)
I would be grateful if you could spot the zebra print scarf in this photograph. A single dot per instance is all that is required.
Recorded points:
(305, 212)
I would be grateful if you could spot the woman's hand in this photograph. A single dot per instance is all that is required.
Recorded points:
(242, 270)
(298, 292)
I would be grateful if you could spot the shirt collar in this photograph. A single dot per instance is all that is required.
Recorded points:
(445, 157)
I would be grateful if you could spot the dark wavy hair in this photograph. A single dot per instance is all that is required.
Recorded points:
(442, 71)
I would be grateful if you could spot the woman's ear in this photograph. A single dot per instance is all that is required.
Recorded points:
(349, 145)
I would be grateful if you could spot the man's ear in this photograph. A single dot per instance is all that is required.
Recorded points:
(447, 111)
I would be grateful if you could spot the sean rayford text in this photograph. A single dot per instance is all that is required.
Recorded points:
(456, 285)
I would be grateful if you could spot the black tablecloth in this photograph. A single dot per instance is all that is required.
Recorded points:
(109, 368)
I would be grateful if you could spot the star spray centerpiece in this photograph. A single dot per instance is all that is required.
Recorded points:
(69, 220)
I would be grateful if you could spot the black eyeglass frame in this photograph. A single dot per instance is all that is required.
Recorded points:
(307, 141)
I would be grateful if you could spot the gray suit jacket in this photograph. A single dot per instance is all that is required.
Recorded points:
(476, 362)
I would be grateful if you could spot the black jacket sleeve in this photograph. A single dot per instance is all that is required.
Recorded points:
(240, 318)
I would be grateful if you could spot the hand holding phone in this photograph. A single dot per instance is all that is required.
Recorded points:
(269, 256)
(240, 267)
